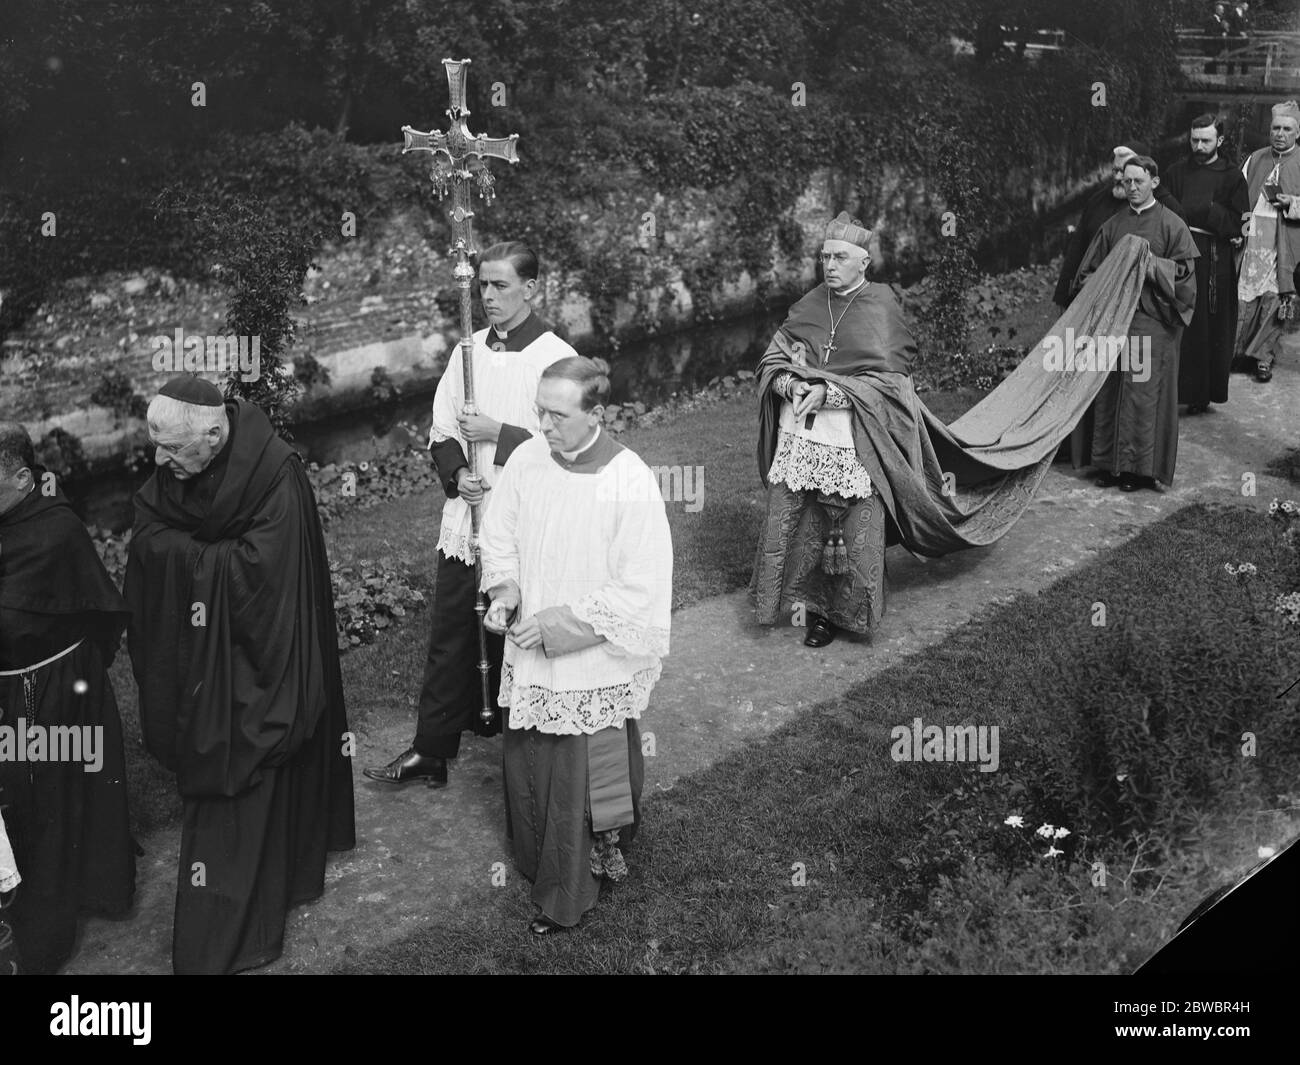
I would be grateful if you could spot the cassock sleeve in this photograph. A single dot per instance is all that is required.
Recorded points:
(1173, 281)
(1223, 215)
(563, 633)
(1168, 200)
(510, 437)
(446, 447)
(633, 609)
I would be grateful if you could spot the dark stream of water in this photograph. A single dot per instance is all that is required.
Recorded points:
(648, 372)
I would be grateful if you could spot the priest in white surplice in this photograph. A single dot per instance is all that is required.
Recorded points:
(509, 357)
(577, 554)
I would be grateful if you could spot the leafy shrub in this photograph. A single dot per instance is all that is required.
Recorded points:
(117, 394)
(1151, 710)
(308, 371)
(369, 596)
(341, 488)
(60, 452)
(113, 550)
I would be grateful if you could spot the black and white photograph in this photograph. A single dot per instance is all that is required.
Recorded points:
(673, 487)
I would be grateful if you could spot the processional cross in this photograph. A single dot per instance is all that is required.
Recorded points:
(459, 160)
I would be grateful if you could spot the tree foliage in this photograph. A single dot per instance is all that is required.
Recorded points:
(616, 102)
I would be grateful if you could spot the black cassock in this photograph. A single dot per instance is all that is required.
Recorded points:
(69, 828)
(233, 643)
(1099, 209)
(1214, 198)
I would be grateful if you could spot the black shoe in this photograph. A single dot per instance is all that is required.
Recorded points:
(408, 766)
(544, 926)
(1195, 408)
(1263, 374)
(1106, 479)
(820, 632)
(1129, 482)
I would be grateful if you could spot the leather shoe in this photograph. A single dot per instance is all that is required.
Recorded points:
(1264, 374)
(1195, 408)
(544, 926)
(1106, 479)
(1129, 482)
(408, 766)
(820, 632)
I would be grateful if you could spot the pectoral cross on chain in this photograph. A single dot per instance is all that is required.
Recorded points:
(827, 348)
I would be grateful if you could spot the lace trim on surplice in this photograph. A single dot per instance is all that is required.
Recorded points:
(456, 545)
(575, 713)
(633, 639)
(801, 463)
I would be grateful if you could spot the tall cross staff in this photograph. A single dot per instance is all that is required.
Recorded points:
(458, 160)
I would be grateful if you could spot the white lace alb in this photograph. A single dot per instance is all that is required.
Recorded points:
(634, 639)
(575, 713)
(800, 464)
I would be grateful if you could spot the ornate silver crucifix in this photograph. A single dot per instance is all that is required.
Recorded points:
(459, 159)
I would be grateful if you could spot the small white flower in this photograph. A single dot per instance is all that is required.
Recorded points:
(1015, 821)
(1045, 831)
(1267, 852)
(1121, 777)
(1289, 607)
(1061, 833)
(1052, 852)
(1230, 569)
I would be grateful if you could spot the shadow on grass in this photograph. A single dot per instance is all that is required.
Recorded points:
(1286, 465)
(813, 850)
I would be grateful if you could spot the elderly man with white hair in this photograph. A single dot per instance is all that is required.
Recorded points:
(233, 644)
(822, 551)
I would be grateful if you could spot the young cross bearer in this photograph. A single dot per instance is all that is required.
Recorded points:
(576, 550)
(509, 357)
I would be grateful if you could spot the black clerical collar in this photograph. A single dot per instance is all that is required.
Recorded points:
(519, 337)
(1145, 207)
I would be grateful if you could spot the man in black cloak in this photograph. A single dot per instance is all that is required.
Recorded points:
(62, 766)
(233, 643)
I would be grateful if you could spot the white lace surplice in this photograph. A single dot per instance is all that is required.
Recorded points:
(599, 544)
(9, 878)
(823, 457)
(505, 389)
(1259, 261)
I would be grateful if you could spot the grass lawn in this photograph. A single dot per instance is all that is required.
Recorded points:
(814, 851)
